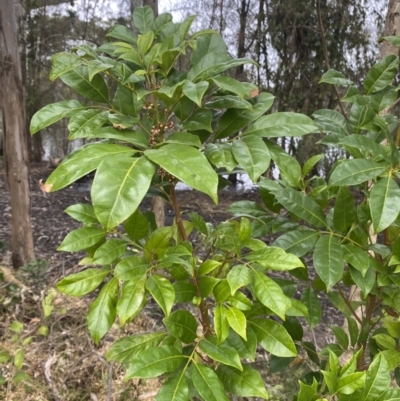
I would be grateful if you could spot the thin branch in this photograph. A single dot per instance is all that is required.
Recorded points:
(348, 303)
(326, 56)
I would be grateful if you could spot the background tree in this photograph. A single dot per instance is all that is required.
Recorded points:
(14, 122)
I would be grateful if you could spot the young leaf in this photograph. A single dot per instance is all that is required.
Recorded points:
(238, 276)
(328, 260)
(357, 257)
(81, 238)
(273, 337)
(162, 291)
(182, 324)
(384, 203)
(378, 379)
(136, 226)
(237, 320)
(118, 188)
(103, 310)
(82, 283)
(246, 383)
(154, 362)
(275, 258)
(207, 383)
(131, 298)
(253, 155)
(188, 165)
(131, 267)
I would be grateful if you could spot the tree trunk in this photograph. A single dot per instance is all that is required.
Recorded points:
(16, 155)
(153, 4)
(392, 27)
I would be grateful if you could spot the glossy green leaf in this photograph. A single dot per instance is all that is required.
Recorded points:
(126, 348)
(228, 102)
(81, 238)
(220, 154)
(361, 117)
(109, 252)
(82, 212)
(384, 203)
(331, 121)
(103, 310)
(350, 383)
(174, 389)
(195, 92)
(131, 298)
(83, 161)
(207, 383)
(78, 80)
(207, 267)
(54, 112)
(136, 226)
(118, 188)
(144, 42)
(298, 242)
(302, 206)
(310, 298)
(253, 155)
(381, 74)
(212, 65)
(366, 144)
(143, 18)
(123, 33)
(182, 324)
(205, 44)
(355, 171)
(154, 362)
(341, 336)
(289, 167)
(221, 324)
(246, 383)
(200, 119)
(162, 291)
(334, 77)
(222, 353)
(83, 122)
(62, 63)
(233, 120)
(231, 85)
(239, 276)
(82, 283)
(237, 321)
(273, 337)
(270, 294)
(310, 163)
(275, 258)
(378, 379)
(344, 212)
(357, 257)
(282, 124)
(184, 291)
(131, 267)
(188, 165)
(328, 260)
(158, 242)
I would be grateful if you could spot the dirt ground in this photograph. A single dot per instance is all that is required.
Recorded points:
(64, 364)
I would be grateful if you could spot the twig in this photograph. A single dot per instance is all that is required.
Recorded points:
(49, 378)
(110, 381)
(326, 56)
(348, 303)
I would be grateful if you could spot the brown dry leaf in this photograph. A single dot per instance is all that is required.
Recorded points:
(34, 320)
(254, 93)
(46, 188)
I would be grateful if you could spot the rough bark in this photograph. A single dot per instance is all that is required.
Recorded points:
(392, 27)
(16, 155)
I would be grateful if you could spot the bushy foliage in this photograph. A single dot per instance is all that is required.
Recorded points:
(150, 125)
